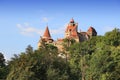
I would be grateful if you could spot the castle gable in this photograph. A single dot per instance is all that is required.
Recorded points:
(91, 31)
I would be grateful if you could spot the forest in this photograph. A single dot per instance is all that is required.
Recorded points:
(95, 59)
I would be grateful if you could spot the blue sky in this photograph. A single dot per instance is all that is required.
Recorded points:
(22, 22)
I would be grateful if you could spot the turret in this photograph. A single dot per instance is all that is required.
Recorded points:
(45, 38)
(46, 34)
(91, 31)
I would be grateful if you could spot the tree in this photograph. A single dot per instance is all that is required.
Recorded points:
(78, 59)
(113, 37)
(95, 59)
(67, 42)
(2, 60)
(29, 49)
(3, 67)
(41, 65)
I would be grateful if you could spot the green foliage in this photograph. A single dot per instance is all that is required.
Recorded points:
(95, 59)
(3, 67)
(113, 37)
(29, 49)
(43, 64)
(67, 43)
(2, 60)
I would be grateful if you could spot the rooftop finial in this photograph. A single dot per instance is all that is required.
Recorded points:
(72, 20)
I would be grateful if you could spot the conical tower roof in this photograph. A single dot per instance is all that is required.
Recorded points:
(91, 29)
(47, 33)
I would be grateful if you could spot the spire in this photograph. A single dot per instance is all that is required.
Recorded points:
(47, 33)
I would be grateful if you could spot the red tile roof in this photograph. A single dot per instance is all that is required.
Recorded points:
(84, 33)
(60, 39)
(91, 29)
(47, 33)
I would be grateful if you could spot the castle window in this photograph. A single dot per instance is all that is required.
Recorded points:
(73, 24)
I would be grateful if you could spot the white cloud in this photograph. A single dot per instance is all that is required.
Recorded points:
(26, 24)
(45, 19)
(58, 31)
(27, 30)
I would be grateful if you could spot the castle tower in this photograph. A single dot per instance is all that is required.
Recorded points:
(71, 30)
(45, 38)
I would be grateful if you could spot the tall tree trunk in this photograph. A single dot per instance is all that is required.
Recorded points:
(82, 68)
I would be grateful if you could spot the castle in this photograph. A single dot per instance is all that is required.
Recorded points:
(71, 32)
